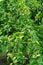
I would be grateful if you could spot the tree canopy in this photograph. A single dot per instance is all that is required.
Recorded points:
(21, 31)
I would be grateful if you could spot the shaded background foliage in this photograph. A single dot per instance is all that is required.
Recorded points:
(21, 31)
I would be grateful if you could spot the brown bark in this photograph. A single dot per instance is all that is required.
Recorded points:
(3, 59)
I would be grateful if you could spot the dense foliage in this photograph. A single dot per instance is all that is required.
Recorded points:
(21, 31)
